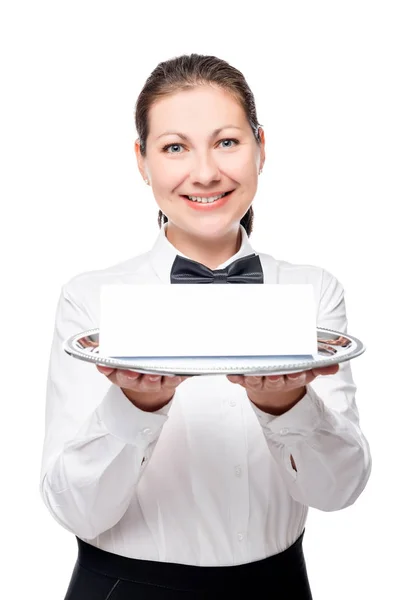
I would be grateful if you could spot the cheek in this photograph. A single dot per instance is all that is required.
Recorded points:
(243, 169)
(168, 178)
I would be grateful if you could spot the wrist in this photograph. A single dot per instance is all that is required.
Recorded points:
(276, 403)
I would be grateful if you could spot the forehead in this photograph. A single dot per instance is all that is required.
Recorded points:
(200, 107)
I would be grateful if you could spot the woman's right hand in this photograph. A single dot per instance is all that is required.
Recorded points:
(147, 392)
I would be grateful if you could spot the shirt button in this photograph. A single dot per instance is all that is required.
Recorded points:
(146, 431)
(238, 471)
(284, 431)
(240, 536)
(232, 402)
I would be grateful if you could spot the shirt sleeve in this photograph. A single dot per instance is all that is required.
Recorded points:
(97, 443)
(322, 431)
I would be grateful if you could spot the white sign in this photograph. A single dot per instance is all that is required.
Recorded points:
(146, 320)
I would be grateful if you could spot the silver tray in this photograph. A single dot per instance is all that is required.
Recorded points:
(333, 347)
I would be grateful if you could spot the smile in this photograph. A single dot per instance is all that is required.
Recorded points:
(199, 203)
(210, 199)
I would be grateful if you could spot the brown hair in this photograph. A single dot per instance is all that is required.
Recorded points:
(185, 72)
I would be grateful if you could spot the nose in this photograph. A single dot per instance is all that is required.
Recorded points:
(205, 170)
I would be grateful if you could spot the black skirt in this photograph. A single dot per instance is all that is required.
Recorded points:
(101, 575)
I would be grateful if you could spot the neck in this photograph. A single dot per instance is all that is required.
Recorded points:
(206, 251)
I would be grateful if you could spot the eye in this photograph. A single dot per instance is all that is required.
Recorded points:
(168, 146)
(171, 146)
(230, 140)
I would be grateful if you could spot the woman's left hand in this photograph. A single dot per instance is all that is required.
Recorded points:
(276, 394)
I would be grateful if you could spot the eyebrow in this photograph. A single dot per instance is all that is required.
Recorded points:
(213, 134)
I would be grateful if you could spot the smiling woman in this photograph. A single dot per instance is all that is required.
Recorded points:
(220, 150)
(197, 487)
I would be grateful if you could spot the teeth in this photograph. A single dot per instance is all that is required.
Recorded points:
(205, 200)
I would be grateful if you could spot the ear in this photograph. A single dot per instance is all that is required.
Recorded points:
(262, 147)
(140, 160)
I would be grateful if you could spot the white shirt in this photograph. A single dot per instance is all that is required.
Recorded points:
(207, 480)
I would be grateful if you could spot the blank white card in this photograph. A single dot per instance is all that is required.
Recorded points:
(146, 320)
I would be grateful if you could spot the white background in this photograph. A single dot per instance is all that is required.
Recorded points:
(325, 76)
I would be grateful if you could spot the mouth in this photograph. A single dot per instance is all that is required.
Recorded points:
(207, 203)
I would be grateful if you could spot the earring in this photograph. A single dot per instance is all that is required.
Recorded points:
(260, 172)
(146, 181)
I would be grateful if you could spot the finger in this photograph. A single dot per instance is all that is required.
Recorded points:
(105, 370)
(153, 383)
(329, 370)
(124, 378)
(171, 382)
(129, 373)
(298, 378)
(235, 378)
(256, 383)
(274, 378)
(150, 383)
(139, 382)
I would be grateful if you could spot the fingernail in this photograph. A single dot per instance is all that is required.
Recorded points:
(296, 376)
(154, 377)
(132, 374)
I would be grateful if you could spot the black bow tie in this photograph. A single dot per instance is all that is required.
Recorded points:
(243, 270)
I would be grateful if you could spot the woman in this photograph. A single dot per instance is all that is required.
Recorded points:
(196, 487)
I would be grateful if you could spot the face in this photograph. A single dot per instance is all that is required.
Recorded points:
(185, 156)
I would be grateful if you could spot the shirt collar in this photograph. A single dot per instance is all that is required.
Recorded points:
(163, 253)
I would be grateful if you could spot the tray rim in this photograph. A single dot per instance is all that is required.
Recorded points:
(68, 346)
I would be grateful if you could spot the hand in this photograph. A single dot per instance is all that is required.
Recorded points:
(277, 394)
(147, 392)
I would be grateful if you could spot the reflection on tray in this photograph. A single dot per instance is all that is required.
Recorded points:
(90, 343)
(327, 343)
(338, 340)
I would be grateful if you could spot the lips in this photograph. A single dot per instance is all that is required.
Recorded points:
(206, 196)
(208, 206)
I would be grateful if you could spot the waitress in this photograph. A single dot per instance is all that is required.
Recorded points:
(197, 487)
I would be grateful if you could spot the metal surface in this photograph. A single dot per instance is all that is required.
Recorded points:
(333, 347)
